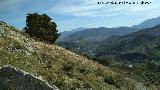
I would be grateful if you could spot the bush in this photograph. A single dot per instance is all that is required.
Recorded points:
(41, 27)
(87, 86)
(68, 67)
(109, 80)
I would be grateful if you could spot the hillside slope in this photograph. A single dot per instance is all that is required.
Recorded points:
(62, 68)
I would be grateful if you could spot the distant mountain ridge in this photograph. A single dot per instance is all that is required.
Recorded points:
(103, 32)
(148, 23)
(98, 34)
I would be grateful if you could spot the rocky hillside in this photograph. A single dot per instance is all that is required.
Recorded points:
(58, 66)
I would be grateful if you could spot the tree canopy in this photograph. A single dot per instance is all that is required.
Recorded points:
(41, 27)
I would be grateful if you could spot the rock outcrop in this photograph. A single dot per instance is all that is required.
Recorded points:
(14, 79)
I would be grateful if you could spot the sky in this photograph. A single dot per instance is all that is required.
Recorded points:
(71, 14)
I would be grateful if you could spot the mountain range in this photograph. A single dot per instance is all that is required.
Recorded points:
(90, 32)
(87, 40)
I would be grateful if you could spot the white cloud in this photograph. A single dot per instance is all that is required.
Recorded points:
(89, 8)
(76, 8)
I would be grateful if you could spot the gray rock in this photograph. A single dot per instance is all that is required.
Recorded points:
(13, 79)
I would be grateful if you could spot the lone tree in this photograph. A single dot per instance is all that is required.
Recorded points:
(40, 27)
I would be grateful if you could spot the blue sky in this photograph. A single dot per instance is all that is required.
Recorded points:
(71, 14)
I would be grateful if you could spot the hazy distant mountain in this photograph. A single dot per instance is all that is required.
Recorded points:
(67, 33)
(148, 23)
(98, 34)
